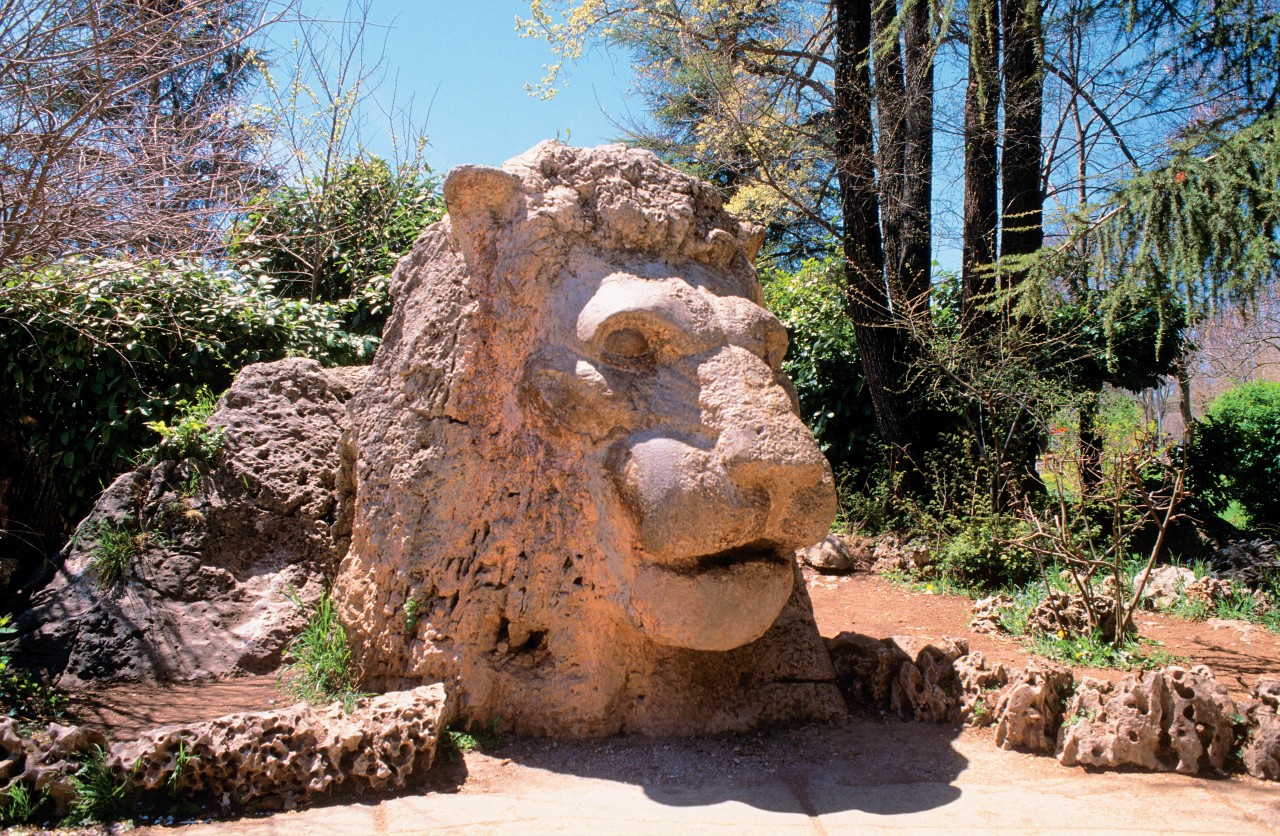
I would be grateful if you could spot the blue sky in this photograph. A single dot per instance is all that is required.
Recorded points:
(466, 69)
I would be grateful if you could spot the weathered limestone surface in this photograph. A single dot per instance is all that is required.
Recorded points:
(206, 596)
(1261, 751)
(291, 756)
(1029, 709)
(1172, 720)
(577, 456)
(45, 761)
(278, 759)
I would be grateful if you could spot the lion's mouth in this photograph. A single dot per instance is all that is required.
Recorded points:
(760, 552)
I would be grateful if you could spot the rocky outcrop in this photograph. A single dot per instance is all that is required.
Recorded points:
(1261, 750)
(44, 762)
(988, 614)
(927, 687)
(1173, 720)
(214, 551)
(1166, 584)
(577, 462)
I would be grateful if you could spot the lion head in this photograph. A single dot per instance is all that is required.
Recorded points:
(578, 473)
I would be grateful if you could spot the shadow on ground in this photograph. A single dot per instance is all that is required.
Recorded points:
(879, 767)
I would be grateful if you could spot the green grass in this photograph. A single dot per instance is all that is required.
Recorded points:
(100, 797)
(1095, 651)
(318, 666)
(412, 615)
(20, 805)
(114, 549)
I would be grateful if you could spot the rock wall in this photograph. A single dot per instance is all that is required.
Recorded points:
(579, 474)
(207, 594)
(261, 760)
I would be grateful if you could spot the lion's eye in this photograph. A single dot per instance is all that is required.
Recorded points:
(627, 344)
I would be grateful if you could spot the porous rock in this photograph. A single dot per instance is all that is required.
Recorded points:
(836, 554)
(916, 678)
(927, 687)
(1172, 720)
(1029, 709)
(291, 756)
(988, 612)
(892, 555)
(45, 761)
(1261, 750)
(1069, 614)
(1166, 584)
(980, 684)
(208, 594)
(577, 462)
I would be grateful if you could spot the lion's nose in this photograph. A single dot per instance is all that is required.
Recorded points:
(776, 456)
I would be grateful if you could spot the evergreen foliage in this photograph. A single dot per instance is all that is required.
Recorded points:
(91, 352)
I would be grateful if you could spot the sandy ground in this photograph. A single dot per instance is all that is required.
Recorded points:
(863, 777)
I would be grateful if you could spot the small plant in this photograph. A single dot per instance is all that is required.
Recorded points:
(1097, 651)
(464, 737)
(318, 669)
(100, 796)
(19, 805)
(114, 549)
(412, 615)
(190, 436)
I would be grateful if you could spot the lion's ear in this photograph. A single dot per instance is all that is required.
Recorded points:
(481, 201)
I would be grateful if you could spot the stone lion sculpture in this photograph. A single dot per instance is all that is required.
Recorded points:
(576, 476)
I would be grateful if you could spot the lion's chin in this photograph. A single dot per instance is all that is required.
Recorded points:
(722, 601)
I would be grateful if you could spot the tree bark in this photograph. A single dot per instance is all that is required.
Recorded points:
(981, 167)
(1022, 221)
(883, 344)
(917, 226)
(891, 110)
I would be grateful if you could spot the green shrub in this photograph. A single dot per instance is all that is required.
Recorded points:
(93, 351)
(1235, 452)
(318, 661)
(338, 241)
(822, 361)
(978, 555)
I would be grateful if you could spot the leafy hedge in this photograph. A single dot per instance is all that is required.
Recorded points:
(91, 352)
(1235, 452)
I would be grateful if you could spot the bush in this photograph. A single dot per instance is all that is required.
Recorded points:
(338, 241)
(92, 352)
(978, 555)
(822, 362)
(1235, 452)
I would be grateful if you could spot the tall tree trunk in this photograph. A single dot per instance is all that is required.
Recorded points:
(883, 345)
(1021, 193)
(1022, 221)
(917, 230)
(891, 111)
(981, 169)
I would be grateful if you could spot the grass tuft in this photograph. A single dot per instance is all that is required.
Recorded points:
(318, 660)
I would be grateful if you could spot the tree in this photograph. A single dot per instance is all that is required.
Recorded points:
(124, 126)
(804, 90)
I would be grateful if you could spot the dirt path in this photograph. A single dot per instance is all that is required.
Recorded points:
(1237, 652)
